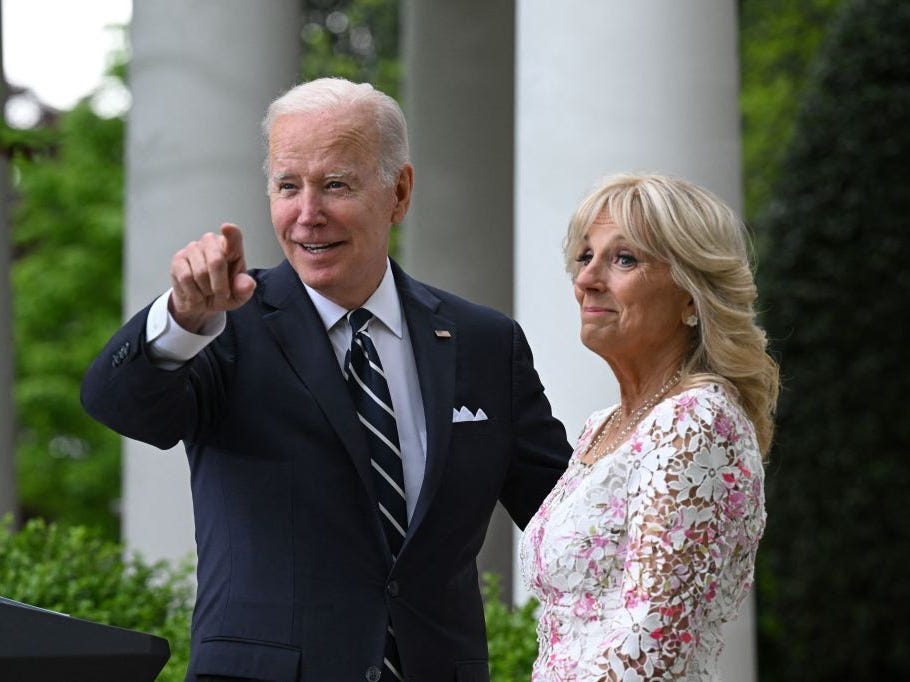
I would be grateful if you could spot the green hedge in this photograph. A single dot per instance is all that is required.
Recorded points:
(511, 634)
(76, 571)
(835, 283)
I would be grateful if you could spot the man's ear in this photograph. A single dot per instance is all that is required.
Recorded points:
(403, 187)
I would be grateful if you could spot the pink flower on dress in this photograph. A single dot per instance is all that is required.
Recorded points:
(736, 505)
(725, 428)
(636, 597)
(585, 606)
(711, 592)
(670, 612)
(686, 403)
(617, 507)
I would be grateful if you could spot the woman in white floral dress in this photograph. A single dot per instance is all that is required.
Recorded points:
(646, 546)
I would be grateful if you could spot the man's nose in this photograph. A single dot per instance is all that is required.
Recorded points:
(310, 209)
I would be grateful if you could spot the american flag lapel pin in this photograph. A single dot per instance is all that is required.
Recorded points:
(443, 334)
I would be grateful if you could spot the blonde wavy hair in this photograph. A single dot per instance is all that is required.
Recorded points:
(707, 249)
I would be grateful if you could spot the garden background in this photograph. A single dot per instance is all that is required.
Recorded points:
(825, 102)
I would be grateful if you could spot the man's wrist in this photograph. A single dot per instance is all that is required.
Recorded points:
(169, 342)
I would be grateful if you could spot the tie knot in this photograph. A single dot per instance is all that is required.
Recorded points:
(358, 319)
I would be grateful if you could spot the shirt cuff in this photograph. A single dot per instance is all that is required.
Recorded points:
(169, 344)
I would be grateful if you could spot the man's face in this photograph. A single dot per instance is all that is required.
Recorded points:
(331, 213)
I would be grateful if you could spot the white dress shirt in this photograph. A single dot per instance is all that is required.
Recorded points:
(170, 345)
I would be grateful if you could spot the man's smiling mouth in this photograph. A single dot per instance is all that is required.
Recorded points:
(320, 247)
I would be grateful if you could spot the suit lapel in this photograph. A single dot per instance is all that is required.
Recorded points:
(291, 317)
(434, 356)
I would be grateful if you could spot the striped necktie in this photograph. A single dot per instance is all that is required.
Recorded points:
(370, 391)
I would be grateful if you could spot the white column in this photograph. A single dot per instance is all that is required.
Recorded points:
(202, 74)
(459, 60)
(604, 86)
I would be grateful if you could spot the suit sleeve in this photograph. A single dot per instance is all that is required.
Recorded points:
(540, 447)
(126, 391)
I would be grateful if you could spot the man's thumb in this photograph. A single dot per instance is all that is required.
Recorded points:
(242, 287)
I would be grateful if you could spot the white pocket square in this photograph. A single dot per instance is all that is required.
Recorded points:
(465, 415)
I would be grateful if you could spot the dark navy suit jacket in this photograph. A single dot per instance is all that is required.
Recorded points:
(295, 579)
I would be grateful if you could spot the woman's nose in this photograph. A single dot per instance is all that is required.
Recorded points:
(590, 277)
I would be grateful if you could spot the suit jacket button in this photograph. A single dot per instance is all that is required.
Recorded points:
(392, 588)
(373, 674)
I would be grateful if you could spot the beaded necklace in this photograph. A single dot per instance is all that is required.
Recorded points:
(615, 421)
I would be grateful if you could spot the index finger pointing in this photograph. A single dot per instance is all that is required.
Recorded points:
(233, 242)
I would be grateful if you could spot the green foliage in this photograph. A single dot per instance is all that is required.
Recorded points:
(778, 43)
(67, 239)
(832, 573)
(355, 39)
(511, 634)
(74, 570)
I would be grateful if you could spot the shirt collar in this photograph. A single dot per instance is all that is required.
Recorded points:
(383, 303)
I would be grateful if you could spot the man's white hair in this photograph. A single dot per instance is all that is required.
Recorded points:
(325, 94)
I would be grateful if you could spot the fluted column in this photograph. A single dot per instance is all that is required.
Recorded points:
(202, 74)
(604, 86)
(459, 69)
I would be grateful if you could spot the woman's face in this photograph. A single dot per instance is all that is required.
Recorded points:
(631, 309)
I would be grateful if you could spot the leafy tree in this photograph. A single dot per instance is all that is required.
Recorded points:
(67, 233)
(66, 276)
(778, 43)
(355, 39)
(832, 574)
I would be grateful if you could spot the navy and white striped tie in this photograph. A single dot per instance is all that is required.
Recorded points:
(370, 391)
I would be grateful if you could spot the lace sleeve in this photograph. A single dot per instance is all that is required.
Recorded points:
(691, 499)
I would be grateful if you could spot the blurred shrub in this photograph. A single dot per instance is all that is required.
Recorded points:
(832, 572)
(74, 570)
(511, 634)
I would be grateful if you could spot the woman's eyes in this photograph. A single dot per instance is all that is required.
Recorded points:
(585, 258)
(623, 259)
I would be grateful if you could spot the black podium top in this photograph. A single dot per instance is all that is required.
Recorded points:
(37, 645)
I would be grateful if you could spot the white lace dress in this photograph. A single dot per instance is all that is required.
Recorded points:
(639, 558)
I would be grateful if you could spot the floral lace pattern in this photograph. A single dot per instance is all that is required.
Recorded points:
(639, 558)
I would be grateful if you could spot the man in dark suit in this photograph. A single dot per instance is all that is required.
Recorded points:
(349, 430)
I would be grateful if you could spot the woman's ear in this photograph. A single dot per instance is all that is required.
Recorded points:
(689, 314)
